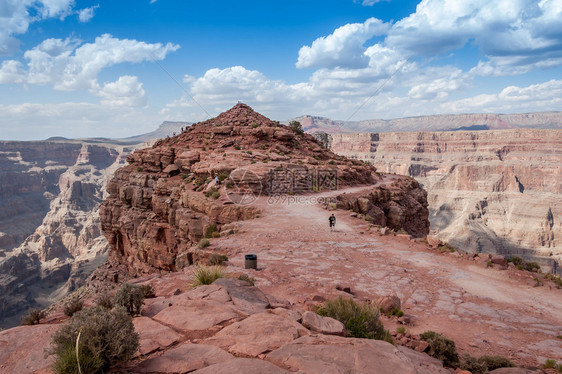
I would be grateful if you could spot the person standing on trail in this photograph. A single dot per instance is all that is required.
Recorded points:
(332, 220)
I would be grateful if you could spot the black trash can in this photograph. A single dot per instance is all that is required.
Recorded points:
(251, 262)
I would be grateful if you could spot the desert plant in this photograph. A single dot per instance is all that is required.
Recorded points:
(210, 230)
(33, 317)
(360, 319)
(223, 176)
(216, 259)
(147, 291)
(442, 348)
(139, 169)
(549, 364)
(72, 306)
(474, 365)
(94, 339)
(401, 330)
(130, 297)
(496, 362)
(211, 191)
(105, 301)
(247, 278)
(207, 275)
(203, 243)
(296, 127)
(215, 234)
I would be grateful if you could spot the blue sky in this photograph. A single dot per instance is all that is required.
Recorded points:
(96, 68)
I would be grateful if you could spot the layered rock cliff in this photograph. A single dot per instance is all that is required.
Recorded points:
(488, 191)
(165, 200)
(444, 122)
(50, 239)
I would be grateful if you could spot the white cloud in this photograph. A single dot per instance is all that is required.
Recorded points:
(69, 66)
(370, 2)
(126, 91)
(537, 97)
(74, 120)
(343, 48)
(16, 15)
(86, 14)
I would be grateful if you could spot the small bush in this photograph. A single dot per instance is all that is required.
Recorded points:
(216, 195)
(401, 330)
(247, 278)
(360, 319)
(33, 317)
(105, 301)
(147, 291)
(296, 127)
(106, 338)
(442, 348)
(216, 259)
(73, 306)
(210, 230)
(474, 365)
(516, 260)
(223, 176)
(549, 364)
(211, 191)
(207, 275)
(130, 297)
(139, 169)
(203, 243)
(496, 362)
(396, 312)
(532, 266)
(215, 234)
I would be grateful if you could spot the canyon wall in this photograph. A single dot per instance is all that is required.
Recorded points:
(444, 122)
(488, 191)
(50, 238)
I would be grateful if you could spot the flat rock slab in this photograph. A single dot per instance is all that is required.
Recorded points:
(287, 313)
(21, 349)
(323, 325)
(153, 335)
(329, 354)
(247, 298)
(257, 334)
(243, 366)
(196, 315)
(183, 359)
(209, 292)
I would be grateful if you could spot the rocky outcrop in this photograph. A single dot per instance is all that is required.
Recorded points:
(161, 204)
(50, 238)
(488, 191)
(444, 122)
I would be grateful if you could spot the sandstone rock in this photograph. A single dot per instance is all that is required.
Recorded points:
(257, 334)
(245, 297)
(21, 349)
(323, 325)
(499, 260)
(433, 241)
(287, 313)
(326, 354)
(515, 371)
(153, 335)
(183, 359)
(388, 303)
(242, 366)
(194, 315)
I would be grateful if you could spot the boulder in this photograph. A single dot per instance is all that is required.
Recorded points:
(242, 366)
(153, 335)
(257, 334)
(498, 260)
(323, 325)
(245, 297)
(388, 303)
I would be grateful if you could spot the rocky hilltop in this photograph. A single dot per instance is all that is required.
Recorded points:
(50, 238)
(165, 201)
(488, 191)
(446, 122)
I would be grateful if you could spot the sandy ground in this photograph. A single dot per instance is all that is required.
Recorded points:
(484, 310)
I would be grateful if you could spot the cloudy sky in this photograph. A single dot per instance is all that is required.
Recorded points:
(118, 68)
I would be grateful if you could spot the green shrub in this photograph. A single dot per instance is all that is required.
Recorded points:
(532, 266)
(247, 278)
(215, 234)
(496, 362)
(147, 291)
(203, 243)
(130, 297)
(474, 365)
(401, 330)
(211, 191)
(360, 319)
(216, 259)
(296, 127)
(216, 195)
(442, 348)
(101, 338)
(72, 306)
(207, 275)
(33, 317)
(223, 176)
(210, 230)
(139, 169)
(549, 364)
(105, 301)
(516, 260)
(396, 312)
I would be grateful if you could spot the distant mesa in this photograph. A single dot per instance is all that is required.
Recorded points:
(56, 138)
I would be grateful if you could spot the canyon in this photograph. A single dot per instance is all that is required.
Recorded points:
(488, 191)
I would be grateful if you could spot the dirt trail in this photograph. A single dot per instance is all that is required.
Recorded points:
(486, 311)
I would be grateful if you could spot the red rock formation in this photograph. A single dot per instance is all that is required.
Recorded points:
(157, 209)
